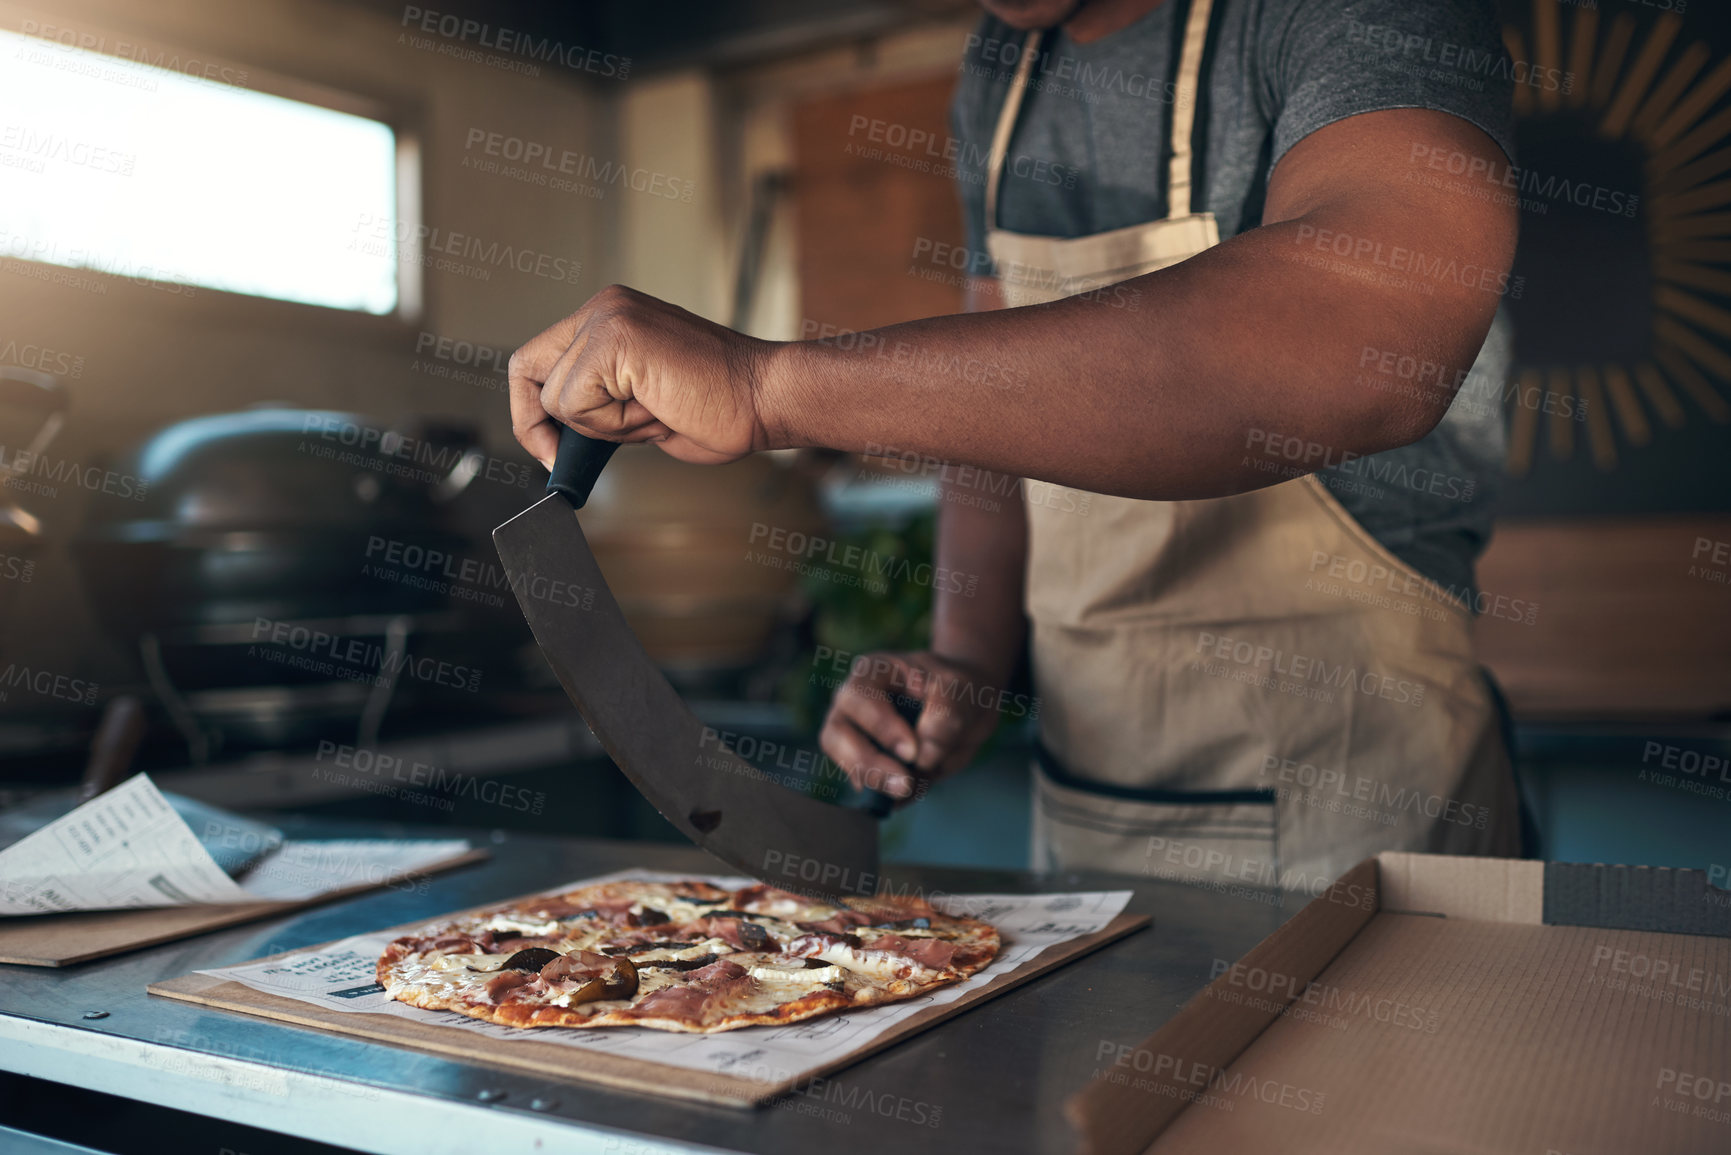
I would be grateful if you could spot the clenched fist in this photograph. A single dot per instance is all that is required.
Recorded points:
(627, 367)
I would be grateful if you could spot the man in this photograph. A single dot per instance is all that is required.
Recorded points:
(1229, 374)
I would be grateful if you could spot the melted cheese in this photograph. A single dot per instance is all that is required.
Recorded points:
(803, 976)
(875, 964)
(462, 963)
(443, 975)
(679, 910)
(795, 909)
(526, 928)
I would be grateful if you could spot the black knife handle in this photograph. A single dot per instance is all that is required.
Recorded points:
(874, 802)
(580, 462)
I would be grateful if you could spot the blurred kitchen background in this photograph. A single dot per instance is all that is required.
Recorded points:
(262, 263)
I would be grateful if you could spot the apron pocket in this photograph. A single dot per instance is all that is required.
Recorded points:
(1209, 836)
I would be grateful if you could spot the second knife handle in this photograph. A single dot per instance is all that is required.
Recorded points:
(579, 463)
(874, 802)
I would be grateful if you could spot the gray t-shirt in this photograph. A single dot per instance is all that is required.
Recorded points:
(1090, 152)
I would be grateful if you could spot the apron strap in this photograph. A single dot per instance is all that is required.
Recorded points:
(1007, 125)
(1183, 115)
(1184, 109)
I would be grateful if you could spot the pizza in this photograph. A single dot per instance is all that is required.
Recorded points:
(681, 956)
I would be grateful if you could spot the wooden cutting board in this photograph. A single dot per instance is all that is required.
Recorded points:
(57, 940)
(640, 1075)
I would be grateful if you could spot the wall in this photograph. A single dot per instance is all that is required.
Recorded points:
(675, 249)
(724, 130)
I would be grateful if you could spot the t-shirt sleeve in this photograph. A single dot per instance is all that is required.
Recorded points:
(1326, 60)
(970, 167)
(973, 115)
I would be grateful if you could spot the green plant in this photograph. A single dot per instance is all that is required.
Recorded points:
(870, 590)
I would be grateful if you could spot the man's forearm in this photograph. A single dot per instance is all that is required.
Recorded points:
(982, 540)
(1262, 335)
(1154, 402)
(982, 535)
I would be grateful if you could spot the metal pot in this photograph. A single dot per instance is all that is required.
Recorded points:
(270, 515)
(266, 513)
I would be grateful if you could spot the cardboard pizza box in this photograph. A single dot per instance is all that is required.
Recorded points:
(1449, 1005)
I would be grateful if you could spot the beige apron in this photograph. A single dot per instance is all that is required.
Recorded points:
(1248, 689)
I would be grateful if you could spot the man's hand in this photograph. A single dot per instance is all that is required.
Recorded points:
(874, 744)
(627, 367)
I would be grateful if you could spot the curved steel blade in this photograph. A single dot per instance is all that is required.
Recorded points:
(718, 800)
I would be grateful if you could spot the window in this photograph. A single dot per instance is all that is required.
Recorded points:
(116, 166)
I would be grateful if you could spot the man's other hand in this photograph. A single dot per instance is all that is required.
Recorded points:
(870, 739)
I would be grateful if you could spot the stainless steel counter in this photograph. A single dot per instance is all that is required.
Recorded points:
(992, 1079)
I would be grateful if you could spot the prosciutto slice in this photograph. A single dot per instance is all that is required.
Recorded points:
(808, 945)
(689, 998)
(709, 926)
(671, 1003)
(612, 910)
(716, 972)
(505, 982)
(457, 944)
(928, 952)
(579, 964)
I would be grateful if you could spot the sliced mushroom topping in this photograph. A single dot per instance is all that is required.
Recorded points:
(532, 959)
(754, 937)
(678, 964)
(621, 981)
(594, 975)
(617, 981)
(641, 948)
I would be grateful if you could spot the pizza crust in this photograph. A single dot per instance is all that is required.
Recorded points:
(723, 963)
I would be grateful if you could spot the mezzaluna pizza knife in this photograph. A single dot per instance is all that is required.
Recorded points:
(717, 799)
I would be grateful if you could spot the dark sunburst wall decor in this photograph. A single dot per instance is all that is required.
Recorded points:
(1623, 319)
